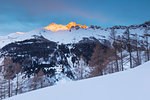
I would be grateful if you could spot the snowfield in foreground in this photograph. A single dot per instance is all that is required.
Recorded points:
(133, 84)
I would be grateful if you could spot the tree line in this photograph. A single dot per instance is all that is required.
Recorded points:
(122, 49)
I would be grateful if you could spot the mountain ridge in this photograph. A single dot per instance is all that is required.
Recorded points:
(41, 57)
(75, 34)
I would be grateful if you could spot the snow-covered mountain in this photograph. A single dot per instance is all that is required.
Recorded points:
(128, 85)
(44, 56)
(72, 35)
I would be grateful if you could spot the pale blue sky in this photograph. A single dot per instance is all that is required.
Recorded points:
(26, 15)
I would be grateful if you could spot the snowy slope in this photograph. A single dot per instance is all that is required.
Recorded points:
(133, 84)
(64, 36)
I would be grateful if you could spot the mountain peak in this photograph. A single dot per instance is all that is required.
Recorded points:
(58, 27)
(20, 32)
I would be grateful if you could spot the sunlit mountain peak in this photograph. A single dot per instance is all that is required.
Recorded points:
(58, 27)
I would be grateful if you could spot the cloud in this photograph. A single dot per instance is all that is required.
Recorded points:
(47, 7)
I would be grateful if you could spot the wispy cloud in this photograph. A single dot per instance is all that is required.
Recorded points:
(42, 7)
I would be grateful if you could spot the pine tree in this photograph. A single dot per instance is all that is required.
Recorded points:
(146, 36)
(113, 37)
(17, 70)
(120, 49)
(128, 45)
(136, 44)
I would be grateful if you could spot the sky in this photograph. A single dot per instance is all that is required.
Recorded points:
(27, 15)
